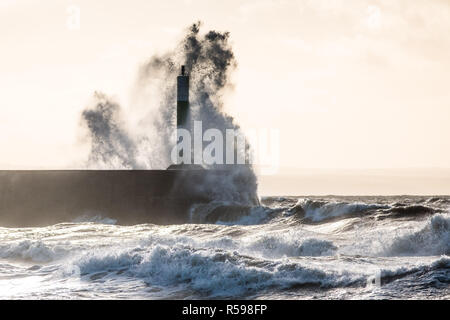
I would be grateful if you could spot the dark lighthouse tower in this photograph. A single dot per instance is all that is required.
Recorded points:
(183, 119)
(183, 100)
(183, 122)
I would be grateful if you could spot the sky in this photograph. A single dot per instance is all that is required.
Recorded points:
(349, 84)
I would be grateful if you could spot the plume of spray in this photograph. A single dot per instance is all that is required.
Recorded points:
(209, 60)
(111, 145)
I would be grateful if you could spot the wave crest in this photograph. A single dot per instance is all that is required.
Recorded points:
(316, 211)
(227, 213)
(433, 239)
(212, 272)
(36, 251)
(276, 246)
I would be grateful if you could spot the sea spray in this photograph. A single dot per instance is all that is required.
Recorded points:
(209, 59)
(111, 145)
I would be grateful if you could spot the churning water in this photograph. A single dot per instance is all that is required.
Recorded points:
(287, 248)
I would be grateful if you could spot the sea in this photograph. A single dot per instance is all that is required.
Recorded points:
(330, 247)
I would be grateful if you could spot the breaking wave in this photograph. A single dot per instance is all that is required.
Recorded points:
(211, 272)
(433, 239)
(323, 211)
(227, 213)
(35, 251)
(219, 273)
(407, 211)
(316, 211)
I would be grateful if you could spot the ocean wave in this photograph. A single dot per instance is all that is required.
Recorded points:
(36, 251)
(431, 273)
(227, 213)
(406, 211)
(317, 211)
(276, 246)
(212, 272)
(438, 200)
(219, 273)
(433, 239)
(101, 261)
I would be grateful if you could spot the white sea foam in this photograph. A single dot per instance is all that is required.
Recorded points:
(213, 272)
(432, 239)
(36, 251)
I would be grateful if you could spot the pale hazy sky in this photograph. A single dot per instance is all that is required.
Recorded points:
(349, 84)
